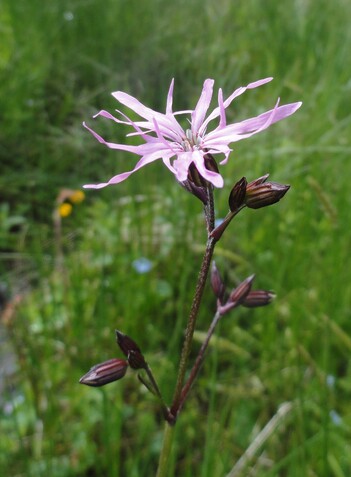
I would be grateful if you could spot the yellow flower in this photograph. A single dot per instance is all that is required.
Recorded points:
(65, 209)
(77, 196)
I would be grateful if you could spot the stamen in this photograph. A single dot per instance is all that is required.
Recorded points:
(191, 141)
(189, 136)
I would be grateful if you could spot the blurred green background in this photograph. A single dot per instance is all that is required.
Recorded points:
(67, 283)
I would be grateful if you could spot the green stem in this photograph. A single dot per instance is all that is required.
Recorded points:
(162, 470)
(163, 465)
(200, 286)
(198, 362)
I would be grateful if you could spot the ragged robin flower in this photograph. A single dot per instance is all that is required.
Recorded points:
(164, 138)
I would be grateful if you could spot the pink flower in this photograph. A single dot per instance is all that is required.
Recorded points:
(164, 138)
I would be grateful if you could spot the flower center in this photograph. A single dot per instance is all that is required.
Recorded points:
(190, 142)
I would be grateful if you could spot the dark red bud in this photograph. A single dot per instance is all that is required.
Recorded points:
(199, 192)
(258, 181)
(106, 372)
(241, 291)
(257, 298)
(210, 163)
(125, 343)
(131, 350)
(195, 177)
(195, 183)
(217, 284)
(136, 360)
(237, 296)
(260, 193)
(237, 195)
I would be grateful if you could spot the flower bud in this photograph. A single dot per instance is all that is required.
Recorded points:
(136, 360)
(106, 372)
(260, 193)
(199, 192)
(237, 195)
(195, 183)
(239, 293)
(258, 181)
(217, 284)
(257, 298)
(130, 349)
(237, 296)
(195, 178)
(125, 343)
(210, 163)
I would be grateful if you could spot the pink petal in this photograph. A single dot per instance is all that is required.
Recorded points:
(212, 177)
(122, 177)
(108, 115)
(167, 163)
(183, 161)
(111, 145)
(181, 165)
(167, 123)
(129, 122)
(222, 117)
(282, 112)
(239, 91)
(236, 132)
(255, 84)
(166, 144)
(135, 105)
(199, 113)
(153, 145)
(170, 98)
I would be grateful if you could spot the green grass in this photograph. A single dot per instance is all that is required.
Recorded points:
(59, 61)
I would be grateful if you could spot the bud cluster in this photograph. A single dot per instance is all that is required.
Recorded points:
(254, 195)
(240, 295)
(115, 368)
